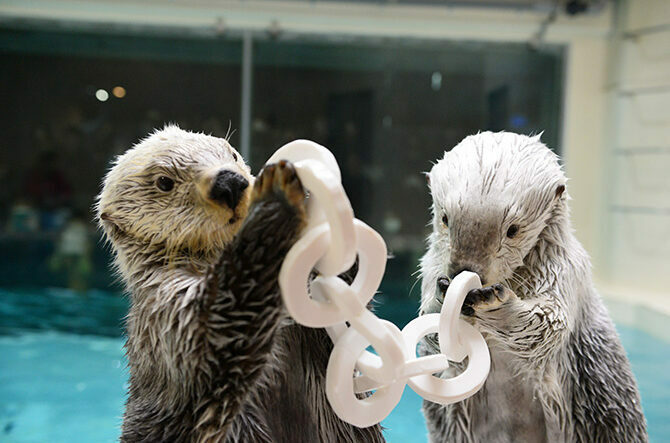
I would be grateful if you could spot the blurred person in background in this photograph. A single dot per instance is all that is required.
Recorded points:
(72, 255)
(48, 189)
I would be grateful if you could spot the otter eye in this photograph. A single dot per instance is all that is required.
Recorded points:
(234, 156)
(512, 231)
(165, 183)
(445, 220)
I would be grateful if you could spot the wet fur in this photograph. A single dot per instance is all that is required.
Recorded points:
(559, 372)
(212, 354)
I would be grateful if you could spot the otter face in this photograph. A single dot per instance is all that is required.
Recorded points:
(178, 189)
(493, 195)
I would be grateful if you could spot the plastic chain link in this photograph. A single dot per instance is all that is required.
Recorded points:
(329, 244)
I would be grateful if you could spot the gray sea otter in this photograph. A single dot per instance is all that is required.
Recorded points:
(211, 352)
(559, 372)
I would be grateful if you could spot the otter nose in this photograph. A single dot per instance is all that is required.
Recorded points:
(228, 187)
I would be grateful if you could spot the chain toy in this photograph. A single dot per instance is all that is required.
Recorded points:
(330, 243)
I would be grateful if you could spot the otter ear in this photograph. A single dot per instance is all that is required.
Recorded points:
(427, 174)
(560, 189)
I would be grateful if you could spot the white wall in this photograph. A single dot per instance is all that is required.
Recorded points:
(308, 17)
(584, 118)
(636, 211)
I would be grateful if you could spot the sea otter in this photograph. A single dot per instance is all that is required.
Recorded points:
(559, 372)
(211, 352)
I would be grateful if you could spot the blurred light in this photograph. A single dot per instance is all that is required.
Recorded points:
(518, 121)
(119, 91)
(436, 81)
(101, 95)
(392, 224)
(387, 121)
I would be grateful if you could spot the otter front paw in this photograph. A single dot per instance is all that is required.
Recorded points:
(442, 286)
(484, 299)
(433, 304)
(279, 179)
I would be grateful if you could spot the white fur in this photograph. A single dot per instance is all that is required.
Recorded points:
(552, 343)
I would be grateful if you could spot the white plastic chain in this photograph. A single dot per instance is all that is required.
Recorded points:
(329, 244)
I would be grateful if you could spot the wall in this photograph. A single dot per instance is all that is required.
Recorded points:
(636, 207)
(216, 17)
(584, 119)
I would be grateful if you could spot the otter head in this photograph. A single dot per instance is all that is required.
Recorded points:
(174, 191)
(494, 195)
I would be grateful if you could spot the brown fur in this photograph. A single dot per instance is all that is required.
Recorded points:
(212, 354)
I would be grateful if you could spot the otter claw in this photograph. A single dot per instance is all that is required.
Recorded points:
(442, 286)
(279, 178)
(483, 299)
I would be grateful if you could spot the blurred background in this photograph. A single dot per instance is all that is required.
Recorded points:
(388, 86)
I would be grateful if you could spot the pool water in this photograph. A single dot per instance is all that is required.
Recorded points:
(60, 386)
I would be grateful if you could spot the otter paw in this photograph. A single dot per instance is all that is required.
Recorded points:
(279, 179)
(484, 299)
(442, 286)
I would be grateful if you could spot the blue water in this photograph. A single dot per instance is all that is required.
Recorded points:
(649, 357)
(59, 386)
